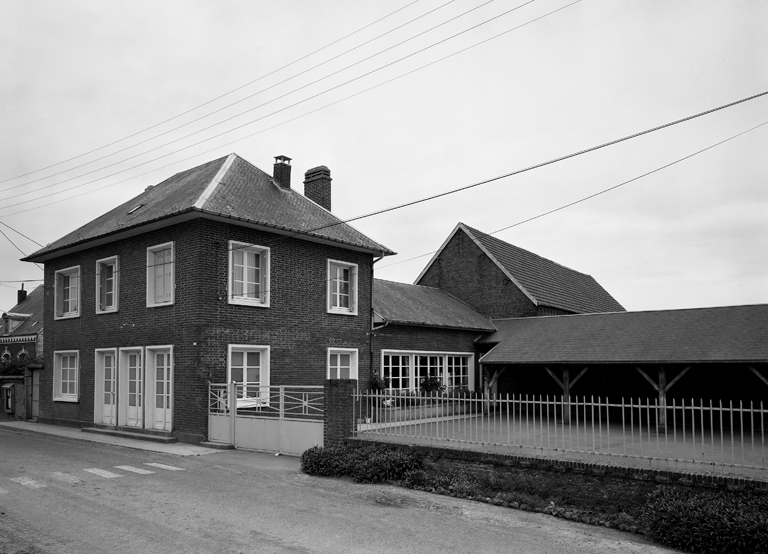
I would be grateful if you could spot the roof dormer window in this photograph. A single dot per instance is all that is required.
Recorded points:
(135, 208)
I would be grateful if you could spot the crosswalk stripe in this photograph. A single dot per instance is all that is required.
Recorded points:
(163, 466)
(67, 478)
(135, 470)
(3, 491)
(102, 473)
(27, 482)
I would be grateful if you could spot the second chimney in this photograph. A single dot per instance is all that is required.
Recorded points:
(21, 295)
(282, 171)
(317, 186)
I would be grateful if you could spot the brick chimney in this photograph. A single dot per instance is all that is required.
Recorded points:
(282, 171)
(21, 295)
(317, 186)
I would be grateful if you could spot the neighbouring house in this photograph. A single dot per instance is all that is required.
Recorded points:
(220, 273)
(21, 353)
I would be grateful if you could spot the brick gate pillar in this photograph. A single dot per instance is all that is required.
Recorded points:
(339, 410)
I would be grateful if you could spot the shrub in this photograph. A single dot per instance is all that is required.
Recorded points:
(430, 385)
(365, 464)
(708, 521)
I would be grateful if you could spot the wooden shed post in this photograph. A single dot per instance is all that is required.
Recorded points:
(566, 395)
(661, 417)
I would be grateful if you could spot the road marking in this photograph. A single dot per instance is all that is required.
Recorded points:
(3, 491)
(163, 466)
(135, 470)
(102, 473)
(27, 482)
(67, 478)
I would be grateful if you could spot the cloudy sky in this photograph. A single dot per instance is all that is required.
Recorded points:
(402, 100)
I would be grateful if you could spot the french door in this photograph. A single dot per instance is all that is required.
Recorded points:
(131, 382)
(159, 388)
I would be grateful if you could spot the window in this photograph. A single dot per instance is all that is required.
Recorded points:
(397, 370)
(405, 369)
(342, 363)
(160, 275)
(106, 285)
(248, 274)
(249, 367)
(342, 288)
(65, 376)
(67, 293)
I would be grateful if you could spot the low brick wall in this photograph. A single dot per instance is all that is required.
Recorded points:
(338, 410)
(602, 470)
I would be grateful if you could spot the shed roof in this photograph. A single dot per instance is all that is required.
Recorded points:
(701, 335)
(229, 187)
(405, 304)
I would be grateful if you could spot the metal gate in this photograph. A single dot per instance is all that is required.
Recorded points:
(284, 419)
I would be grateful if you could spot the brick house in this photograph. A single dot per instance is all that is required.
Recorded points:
(220, 273)
(21, 349)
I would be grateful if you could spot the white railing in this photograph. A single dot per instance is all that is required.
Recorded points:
(713, 433)
(304, 402)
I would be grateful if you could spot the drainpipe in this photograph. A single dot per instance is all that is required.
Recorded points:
(371, 332)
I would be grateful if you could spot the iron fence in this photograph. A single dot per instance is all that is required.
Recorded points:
(301, 402)
(713, 433)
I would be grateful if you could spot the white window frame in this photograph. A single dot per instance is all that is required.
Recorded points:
(353, 284)
(114, 262)
(413, 377)
(58, 395)
(60, 313)
(264, 278)
(151, 272)
(264, 390)
(353, 362)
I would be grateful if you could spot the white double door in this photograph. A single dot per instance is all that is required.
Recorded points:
(134, 387)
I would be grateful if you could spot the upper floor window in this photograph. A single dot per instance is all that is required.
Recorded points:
(248, 274)
(67, 293)
(66, 374)
(106, 285)
(160, 275)
(342, 287)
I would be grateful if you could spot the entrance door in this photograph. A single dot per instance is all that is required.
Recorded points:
(109, 408)
(159, 388)
(34, 395)
(131, 379)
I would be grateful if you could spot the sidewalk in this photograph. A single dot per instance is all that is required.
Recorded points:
(178, 449)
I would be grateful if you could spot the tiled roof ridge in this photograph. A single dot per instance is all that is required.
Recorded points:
(630, 312)
(474, 230)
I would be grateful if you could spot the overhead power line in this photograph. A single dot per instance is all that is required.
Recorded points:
(209, 114)
(305, 100)
(596, 194)
(213, 99)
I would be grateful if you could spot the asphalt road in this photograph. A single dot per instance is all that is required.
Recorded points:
(59, 495)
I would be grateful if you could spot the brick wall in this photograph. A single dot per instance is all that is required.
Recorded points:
(19, 395)
(201, 324)
(339, 411)
(464, 271)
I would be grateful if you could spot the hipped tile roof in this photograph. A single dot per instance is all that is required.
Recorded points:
(243, 192)
(701, 335)
(404, 304)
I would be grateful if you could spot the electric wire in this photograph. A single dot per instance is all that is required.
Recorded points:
(262, 130)
(227, 107)
(213, 99)
(596, 194)
(251, 122)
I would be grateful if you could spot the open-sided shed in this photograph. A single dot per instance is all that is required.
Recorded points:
(717, 352)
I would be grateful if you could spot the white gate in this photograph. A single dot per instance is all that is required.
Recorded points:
(286, 419)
